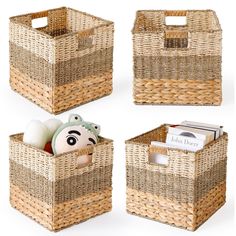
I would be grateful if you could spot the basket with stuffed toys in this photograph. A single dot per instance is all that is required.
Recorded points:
(61, 173)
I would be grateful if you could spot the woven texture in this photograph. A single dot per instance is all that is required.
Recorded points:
(64, 64)
(177, 64)
(54, 190)
(184, 193)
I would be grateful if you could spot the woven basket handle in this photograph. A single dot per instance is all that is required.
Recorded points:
(158, 150)
(175, 13)
(85, 154)
(85, 39)
(176, 36)
(39, 14)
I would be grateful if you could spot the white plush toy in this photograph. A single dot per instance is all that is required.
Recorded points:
(38, 134)
(52, 125)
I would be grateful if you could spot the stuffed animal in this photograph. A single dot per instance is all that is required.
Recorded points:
(52, 125)
(39, 134)
(74, 135)
(36, 134)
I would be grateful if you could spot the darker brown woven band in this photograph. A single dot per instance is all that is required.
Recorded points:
(62, 190)
(63, 72)
(188, 67)
(175, 187)
(184, 215)
(174, 92)
(61, 98)
(62, 215)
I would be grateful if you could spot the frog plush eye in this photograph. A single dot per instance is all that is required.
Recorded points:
(75, 118)
(96, 127)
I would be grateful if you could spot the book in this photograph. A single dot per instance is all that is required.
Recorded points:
(202, 134)
(184, 142)
(218, 129)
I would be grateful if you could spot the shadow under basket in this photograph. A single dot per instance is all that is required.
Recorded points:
(65, 63)
(185, 192)
(54, 190)
(177, 64)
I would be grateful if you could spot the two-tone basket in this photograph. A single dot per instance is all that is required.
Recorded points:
(64, 64)
(183, 193)
(54, 190)
(177, 64)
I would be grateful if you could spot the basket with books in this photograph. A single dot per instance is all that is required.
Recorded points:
(176, 174)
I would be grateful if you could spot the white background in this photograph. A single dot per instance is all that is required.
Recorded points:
(119, 118)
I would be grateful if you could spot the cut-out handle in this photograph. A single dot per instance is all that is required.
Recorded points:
(158, 156)
(85, 39)
(84, 157)
(175, 18)
(39, 19)
(176, 39)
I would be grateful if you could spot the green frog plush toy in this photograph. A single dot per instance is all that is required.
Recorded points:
(74, 135)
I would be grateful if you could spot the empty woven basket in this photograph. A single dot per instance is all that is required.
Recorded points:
(177, 64)
(64, 64)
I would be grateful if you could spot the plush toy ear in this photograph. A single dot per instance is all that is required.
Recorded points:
(96, 127)
(75, 118)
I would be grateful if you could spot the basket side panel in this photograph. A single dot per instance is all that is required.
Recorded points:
(26, 187)
(172, 212)
(214, 158)
(82, 208)
(177, 68)
(32, 66)
(177, 92)
(78, 21)
(209, 204)
(32, 207)
(32, 41)
(180, 164)
(200, 43)
(100, 38)
(160, 209)
(85, 189)
(93, 64)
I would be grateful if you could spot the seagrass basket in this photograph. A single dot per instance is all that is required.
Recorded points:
(53, 190)
(64, 64)
(177, 64)
(183, 193)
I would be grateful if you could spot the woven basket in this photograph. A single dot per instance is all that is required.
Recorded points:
(64, 64)
(177, 64)
(184, 193)
(53, 190)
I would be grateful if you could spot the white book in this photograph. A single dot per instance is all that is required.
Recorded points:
(206, 135)
(185, 143)
(216, 128)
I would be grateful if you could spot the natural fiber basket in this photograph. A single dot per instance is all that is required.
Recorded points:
(184, 193)
(53, 190)
(64, 64)
(177, 64)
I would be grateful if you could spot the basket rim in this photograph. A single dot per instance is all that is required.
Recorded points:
(136, 31)
(106, 23)
(14, 137)
(131, 141)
